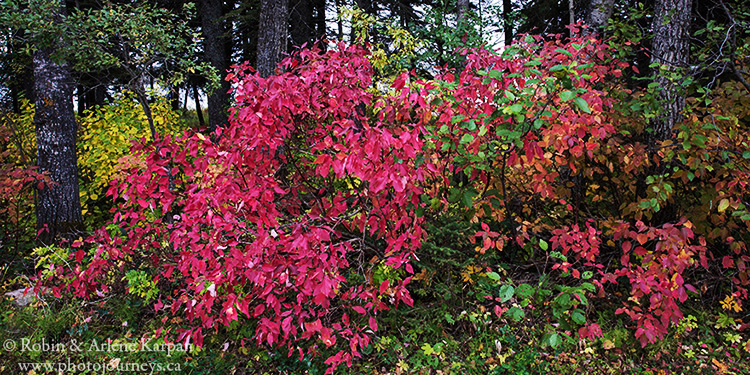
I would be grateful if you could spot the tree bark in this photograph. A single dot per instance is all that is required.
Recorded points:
(302, 23)
(272, 34)
(571, 14)
(58, 209)
(599, 13)
(198, 110)
(507, 22)
(339, 22)
(212, 21)
(671, 47)
(365, 5)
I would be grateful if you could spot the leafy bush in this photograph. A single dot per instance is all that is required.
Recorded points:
(18, 178)
(301, 219)
(106, 137)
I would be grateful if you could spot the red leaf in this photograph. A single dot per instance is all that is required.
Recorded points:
(626, 246)
(383, 286)
(259, 310)
(359, 309)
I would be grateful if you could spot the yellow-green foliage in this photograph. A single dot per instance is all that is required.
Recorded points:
(22, 141)
(106, 134)
(390, 58)
(47, 257)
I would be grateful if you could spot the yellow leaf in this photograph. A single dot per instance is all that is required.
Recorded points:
(723, 205)
(720, 366)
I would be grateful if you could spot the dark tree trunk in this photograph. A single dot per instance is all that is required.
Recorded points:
(216, 52)
(320, 20)
(365, 5)
(272, 34)
(302, 23)
(198, 110)
(598, 15)
(307, 20)
(100, 93)
(571, 14)
(173, 97)
(671, 46)
(59, 207)
(339, 22)
(507, 22)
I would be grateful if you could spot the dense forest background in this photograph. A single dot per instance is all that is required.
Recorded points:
(426, 187)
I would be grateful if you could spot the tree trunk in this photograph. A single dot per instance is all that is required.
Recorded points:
(365, 5)
(214, 46)
(507, 23)
(320, 21)
(599, 13)
(212, 21)
(571, 14)
(302, 23)
(58, 209)
(272, 34)
(671, 47)
(198, 110)
(339, 22)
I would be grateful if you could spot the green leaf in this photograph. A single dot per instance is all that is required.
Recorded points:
(567, 95)
(557, 67)
(554, 340)
(493, 276)
(524, 291)
(495, 73)
(563, 301)
(533, 62)
(506, 293)
(467, 138)
(582, 105)
(468, 198)
(564, 52)
(515, 313)
(578, 317)
(543, 245)
(449, 318)
(588, 286)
